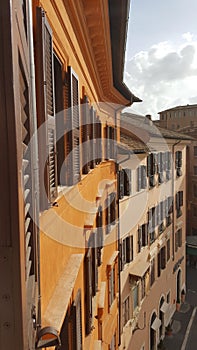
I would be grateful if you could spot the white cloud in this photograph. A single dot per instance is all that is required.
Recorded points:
(164, 76)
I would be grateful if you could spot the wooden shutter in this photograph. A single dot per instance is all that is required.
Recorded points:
(127, 182)
(149, 165)
(88, 291)
(129, 249)
(139, 238)
(46, 109)
(139, 178)
(99, 225)
(143, 176)
(163, 257)
(76, 324)
(159, 264)
(92, 138)
(94, 265)
(85, 135)
(107, 214)
(144, 235)
(107, 142)
(121, 184)
(74, 124)
(98, 141)
(112, 197)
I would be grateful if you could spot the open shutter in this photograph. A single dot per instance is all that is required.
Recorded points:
(46, 109)
(121, 184)
(143, 176)
(159, 264)
(112, 208)
(163, 257)
(127, 182)
(85, 135)
(92, 138)
(107, 214)
(139, 178)
(93, 245)
(139, 238)
(98, 141)
(88, 291)
(99, 224)
(74, 124)
(144, 235)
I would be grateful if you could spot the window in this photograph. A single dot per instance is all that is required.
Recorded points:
(142, 236)
(124, 183)
(141, 177)
(111, 281)
(152, 272)
(88, 291)
(195, 190)
(168, 157)
(179, 203)
(161, 260)
(178, 239)
(125, 311)
(161, 215)
(110, 211)
(195, 151)
(99, 225)
(161, 166)
(169, 210)
(94, 260)
(195, 170)
(127, 250)
(168, 249)
(152, 224)
(109, 142)
(151, 169)
(178, 163)
(194, 210)
(135, 292)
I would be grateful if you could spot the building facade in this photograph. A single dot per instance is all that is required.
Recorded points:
(61, 95)
(184, 120)
(152, 208)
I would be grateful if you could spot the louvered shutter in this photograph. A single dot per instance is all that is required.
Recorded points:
(112, 197)
(46, 108)
(176, 159)
(74, 124)
(177, 200)
(163, 257)
(92, 138)
(94, 265)
(181, 198)
(107, 142)
(149, 167)
(179, 159)
(139, 239)
(144, 235)
(64, 335)
(85, 135)
(27, 171)
(121, 184)
(143, 176)
(159, 264)
(155, 162)
(99, 140)
(99, 224)
(88, 292)
(127, 182)
(139, 178)
(107, 214)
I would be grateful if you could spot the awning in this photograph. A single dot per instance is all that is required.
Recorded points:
(139, 266)
(164, 307)
(56, 310)
(169, 313)
(156, 324)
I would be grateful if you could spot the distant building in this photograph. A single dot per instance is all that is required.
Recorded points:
(152, 207)
(184, 119)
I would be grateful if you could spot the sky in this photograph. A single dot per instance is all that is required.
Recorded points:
(161, 54)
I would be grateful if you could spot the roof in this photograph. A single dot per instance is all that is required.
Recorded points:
(128, 143)
(179, 107)
(145, 124)
(119, 15)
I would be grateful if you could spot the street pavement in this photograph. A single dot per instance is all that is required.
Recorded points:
(184, 325)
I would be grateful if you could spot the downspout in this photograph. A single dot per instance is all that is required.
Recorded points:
(118, 238)
(34, 141)
(173, 187)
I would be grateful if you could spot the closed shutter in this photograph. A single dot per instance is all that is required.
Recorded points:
(98, 141)
(88, 291)
(129, 249)
(159, 264)
(127, 182)
(149, 165)
(85, 135)
(163, 257)
(46, 109)
(107, 215)
(170, 205)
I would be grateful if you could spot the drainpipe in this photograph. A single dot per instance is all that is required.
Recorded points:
(173, 187)
(34, 141)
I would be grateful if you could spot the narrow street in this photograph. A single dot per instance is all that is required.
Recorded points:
(184, 336)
